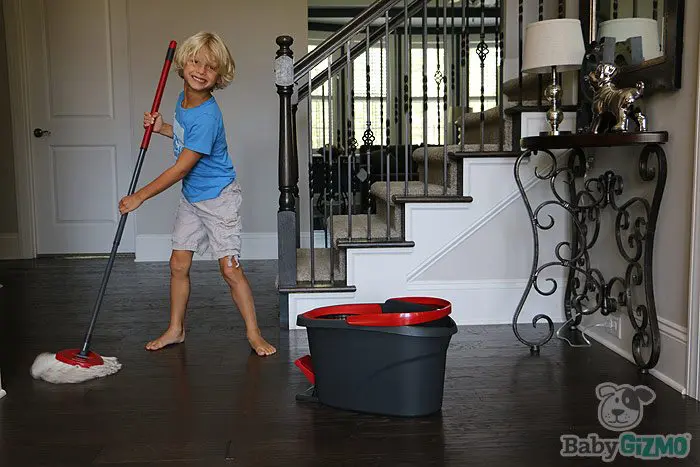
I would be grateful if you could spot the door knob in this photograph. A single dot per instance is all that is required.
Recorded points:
(38, 132)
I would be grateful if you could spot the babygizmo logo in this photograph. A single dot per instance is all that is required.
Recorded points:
(621, 409)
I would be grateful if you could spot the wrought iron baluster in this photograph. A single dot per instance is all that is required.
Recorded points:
(482, 51)
(340, 115)
(329, 171)
(655, 9)
(352, 143)
(381, 110)
(325, 160)
(388, 130)
(540, 84)
(444, 99)
(500, 6)
(452, 72)
(464, 91)
(397, 98)
(438, 72)
(425, 98)
(615, 9)
(368, 136)
(310, 110)
(520, 53)
(407, 93)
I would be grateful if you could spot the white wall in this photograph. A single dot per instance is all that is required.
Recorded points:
(675, 113)
(250, 105)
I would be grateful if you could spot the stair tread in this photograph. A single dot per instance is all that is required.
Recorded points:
(478, 154)
(491, 115)
(436, 153)
(378, 190)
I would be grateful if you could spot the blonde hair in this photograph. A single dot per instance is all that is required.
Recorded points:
(215, 51)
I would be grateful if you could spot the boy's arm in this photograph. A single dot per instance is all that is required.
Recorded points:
(185, 161)
(166, 130)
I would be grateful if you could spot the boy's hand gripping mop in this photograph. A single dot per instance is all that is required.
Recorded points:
(77, 365)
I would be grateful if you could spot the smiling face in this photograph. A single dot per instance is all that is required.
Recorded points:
(200, 72)
(204, 62)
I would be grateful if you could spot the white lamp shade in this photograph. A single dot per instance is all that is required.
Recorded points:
(623, 28)
(553, 42)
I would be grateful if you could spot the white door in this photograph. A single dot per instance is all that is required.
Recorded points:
(79, 97)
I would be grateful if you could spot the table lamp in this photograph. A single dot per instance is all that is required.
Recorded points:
(553, 46)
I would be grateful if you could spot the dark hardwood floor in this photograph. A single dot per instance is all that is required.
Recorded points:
(210, 402)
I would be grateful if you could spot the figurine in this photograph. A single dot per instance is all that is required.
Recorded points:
(618, 103)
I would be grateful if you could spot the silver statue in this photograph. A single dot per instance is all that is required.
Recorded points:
(608, 99)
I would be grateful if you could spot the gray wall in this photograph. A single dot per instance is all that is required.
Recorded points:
(675, 112)
(8, 202)
(250, 104)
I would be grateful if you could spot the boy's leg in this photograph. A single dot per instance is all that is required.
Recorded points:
(222, 222)
(180, 264)
(242, 295)
(189, 236)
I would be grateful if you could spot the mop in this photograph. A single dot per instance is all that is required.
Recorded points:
(78, 365)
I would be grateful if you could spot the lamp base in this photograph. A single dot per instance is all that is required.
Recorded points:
(555, 133)
(554, 114)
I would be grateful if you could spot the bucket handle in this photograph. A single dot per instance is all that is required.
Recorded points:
(398, 319)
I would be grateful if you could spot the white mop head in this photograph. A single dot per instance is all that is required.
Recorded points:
(48, 368)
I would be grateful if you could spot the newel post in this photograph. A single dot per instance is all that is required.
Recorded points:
(288, 166)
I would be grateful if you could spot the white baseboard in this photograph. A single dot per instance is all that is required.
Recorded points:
(256, 245)
(670, 368)
(9, 246)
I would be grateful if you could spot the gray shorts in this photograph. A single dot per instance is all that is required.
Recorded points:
(213, 224)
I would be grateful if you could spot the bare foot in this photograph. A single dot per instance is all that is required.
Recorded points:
(260, 345)
(169, 337)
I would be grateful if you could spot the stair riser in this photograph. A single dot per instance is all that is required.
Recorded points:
(395, 214)
(436, 172)
(492, 133)
(531, 89)
(322, 266)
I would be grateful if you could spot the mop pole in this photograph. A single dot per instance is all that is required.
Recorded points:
(84, 351)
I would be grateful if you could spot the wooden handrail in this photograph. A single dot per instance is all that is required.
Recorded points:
(343, 35)
(358, 49)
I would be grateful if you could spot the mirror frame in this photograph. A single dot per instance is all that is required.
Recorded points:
(659, 74)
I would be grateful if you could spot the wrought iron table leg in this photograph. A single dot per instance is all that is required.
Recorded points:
(534, 345)
(575, 256)
(643, 317)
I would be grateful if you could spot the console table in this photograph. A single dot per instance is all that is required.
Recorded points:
(588, 291)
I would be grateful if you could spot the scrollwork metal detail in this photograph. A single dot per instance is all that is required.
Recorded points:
(587, 290)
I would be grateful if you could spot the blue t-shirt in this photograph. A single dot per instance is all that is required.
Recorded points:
(201, 129)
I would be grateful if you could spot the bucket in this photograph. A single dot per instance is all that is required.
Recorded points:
(381, 358)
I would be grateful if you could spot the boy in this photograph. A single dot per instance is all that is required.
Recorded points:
(211, 196)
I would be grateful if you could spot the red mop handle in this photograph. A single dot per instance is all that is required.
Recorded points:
(159, 91)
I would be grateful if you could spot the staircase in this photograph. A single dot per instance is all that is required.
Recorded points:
(386, 215)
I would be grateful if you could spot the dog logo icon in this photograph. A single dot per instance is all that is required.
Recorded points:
(622, 406)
